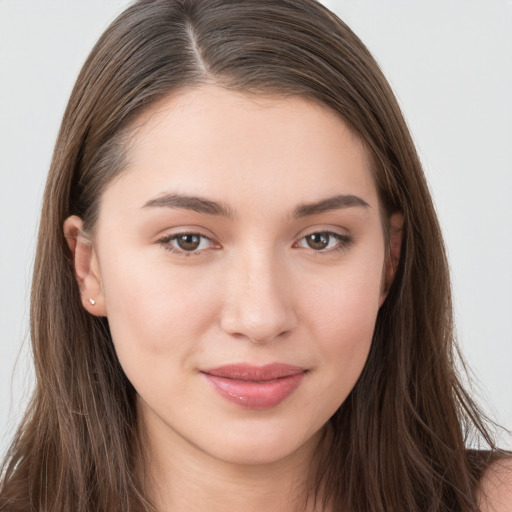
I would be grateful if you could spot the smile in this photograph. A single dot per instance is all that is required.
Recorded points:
(255, 387)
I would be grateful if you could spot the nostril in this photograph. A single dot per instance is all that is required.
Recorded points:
(267, 339)
(258, 300)
(262, 326)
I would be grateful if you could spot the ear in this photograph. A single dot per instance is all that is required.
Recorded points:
(396, 222)
(85, 262)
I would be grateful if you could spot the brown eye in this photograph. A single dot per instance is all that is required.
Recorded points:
(188, 242)
(192, 243)
(318, 241)
(325, 241)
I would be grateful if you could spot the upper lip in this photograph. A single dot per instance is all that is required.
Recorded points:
(249, 372)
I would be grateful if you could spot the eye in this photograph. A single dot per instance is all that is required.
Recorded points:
(324, 241)
(186, 243)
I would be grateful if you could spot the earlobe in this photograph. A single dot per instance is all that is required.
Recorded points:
(85, 263)
(396, 222)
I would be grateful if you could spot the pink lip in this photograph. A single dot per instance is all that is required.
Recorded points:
(255, 387)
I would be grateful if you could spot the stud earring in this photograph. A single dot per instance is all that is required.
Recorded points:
(92, 301)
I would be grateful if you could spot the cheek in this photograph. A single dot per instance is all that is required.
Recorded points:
(345, 330)
(341, 319)
(156, 314)
(348, 301)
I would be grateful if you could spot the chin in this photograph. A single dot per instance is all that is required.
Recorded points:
(265, 448)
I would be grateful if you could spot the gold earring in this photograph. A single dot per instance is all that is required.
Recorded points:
(92, 301)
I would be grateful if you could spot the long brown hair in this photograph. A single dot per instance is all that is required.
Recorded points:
(399, 438)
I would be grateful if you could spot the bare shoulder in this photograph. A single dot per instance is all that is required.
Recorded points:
(496, 488)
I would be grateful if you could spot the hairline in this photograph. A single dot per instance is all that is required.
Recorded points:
(124, 137)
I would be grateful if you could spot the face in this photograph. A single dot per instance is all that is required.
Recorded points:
(240, 261)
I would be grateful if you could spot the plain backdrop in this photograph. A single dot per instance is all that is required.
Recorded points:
(450, 64)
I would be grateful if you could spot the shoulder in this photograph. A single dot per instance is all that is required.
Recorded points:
(495, 494)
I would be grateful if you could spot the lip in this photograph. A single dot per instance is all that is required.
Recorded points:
(255, 387)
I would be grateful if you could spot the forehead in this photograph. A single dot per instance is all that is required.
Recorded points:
(241, 149)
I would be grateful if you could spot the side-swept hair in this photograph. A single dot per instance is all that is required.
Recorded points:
(399, 438)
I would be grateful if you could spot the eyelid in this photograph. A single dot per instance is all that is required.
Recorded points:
(165, 241)
(345, 240)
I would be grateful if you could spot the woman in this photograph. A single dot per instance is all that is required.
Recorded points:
(241, 298)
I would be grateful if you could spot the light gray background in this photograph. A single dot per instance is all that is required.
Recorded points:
(450, 63)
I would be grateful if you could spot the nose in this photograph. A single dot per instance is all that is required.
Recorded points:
(258, 303)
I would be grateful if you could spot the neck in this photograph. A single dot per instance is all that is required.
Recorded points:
(185, 479)
(219, 487)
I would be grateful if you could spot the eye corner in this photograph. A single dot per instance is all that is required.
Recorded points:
(188, 243)
(324, 241)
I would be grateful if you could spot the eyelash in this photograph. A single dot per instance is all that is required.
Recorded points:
(166, 243)
(343, 243)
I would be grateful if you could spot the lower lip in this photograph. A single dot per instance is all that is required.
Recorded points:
(255, 394)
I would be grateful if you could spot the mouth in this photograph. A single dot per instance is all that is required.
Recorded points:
(255, 387)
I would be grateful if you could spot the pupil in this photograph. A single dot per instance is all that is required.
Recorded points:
(188, 242)
(318, 240)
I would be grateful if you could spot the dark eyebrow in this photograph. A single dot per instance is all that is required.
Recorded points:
(331, 203)
(208, 207)
(194, 203)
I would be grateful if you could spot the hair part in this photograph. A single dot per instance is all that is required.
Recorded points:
(398, 441)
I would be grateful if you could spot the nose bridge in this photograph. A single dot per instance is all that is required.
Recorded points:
(257, 303)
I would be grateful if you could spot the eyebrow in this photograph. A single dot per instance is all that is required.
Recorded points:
(194, 203)
(209, 207)
(332, 203)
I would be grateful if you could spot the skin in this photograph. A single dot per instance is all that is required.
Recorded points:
(256, 290)
(496, 488)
